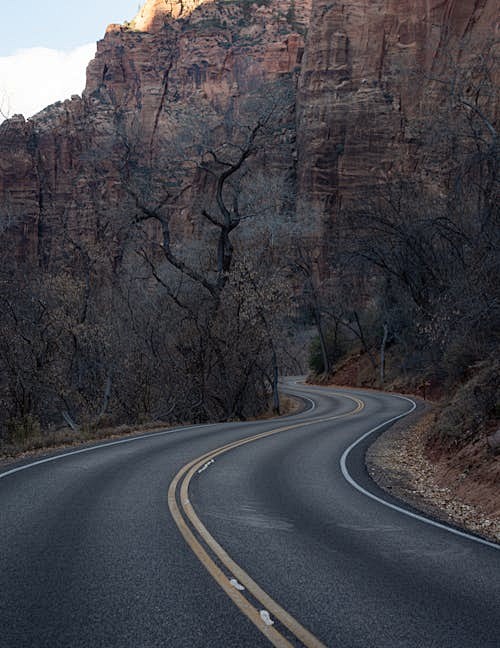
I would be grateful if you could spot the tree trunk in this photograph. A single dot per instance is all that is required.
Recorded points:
(106, 397)
(67, 417)
(363, 341)
(276, 393)
(322, 341)
(382, 354)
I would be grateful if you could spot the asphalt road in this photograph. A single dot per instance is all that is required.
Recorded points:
(92, 554)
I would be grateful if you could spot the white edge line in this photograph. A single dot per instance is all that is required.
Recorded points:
(439, 525)
(98, 447)
(119, 442)
(306, 398)
(297, 385)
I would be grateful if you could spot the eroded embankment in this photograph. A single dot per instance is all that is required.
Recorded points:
(406, 461)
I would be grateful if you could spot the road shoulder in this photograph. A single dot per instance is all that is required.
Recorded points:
(396, 461)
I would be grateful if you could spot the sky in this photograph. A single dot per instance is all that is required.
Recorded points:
(45, 47)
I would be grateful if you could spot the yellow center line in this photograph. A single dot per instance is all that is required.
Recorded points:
(186, 473)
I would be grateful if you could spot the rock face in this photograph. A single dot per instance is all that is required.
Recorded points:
(184, 73)
(177, 69)
(364, 75)
(155, 14)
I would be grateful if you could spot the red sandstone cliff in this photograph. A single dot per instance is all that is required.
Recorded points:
(364, 76)
(178, 69)
(184, 67)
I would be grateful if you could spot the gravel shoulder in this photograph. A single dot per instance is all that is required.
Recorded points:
(397, 462)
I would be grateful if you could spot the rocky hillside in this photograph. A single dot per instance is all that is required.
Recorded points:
(184, 77)
(173, 82)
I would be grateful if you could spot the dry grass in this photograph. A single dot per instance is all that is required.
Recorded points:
(52, 440)
(38, 443)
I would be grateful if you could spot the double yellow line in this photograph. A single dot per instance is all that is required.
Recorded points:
(188, 523)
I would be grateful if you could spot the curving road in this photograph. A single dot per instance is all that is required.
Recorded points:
(104, 546)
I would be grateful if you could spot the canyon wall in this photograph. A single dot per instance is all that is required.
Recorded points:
(181, 77)
(178, 79)
(366, 74)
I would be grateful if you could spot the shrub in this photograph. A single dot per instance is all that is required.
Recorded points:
(475, 404)
(335, 347)
(20, 430)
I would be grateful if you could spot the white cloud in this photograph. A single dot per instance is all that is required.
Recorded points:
(31, 79)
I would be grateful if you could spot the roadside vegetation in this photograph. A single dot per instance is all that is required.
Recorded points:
(411, 299)
(139, 324)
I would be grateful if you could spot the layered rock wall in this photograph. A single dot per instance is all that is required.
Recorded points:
(365, 74)
(183, 73)
(178, 71)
